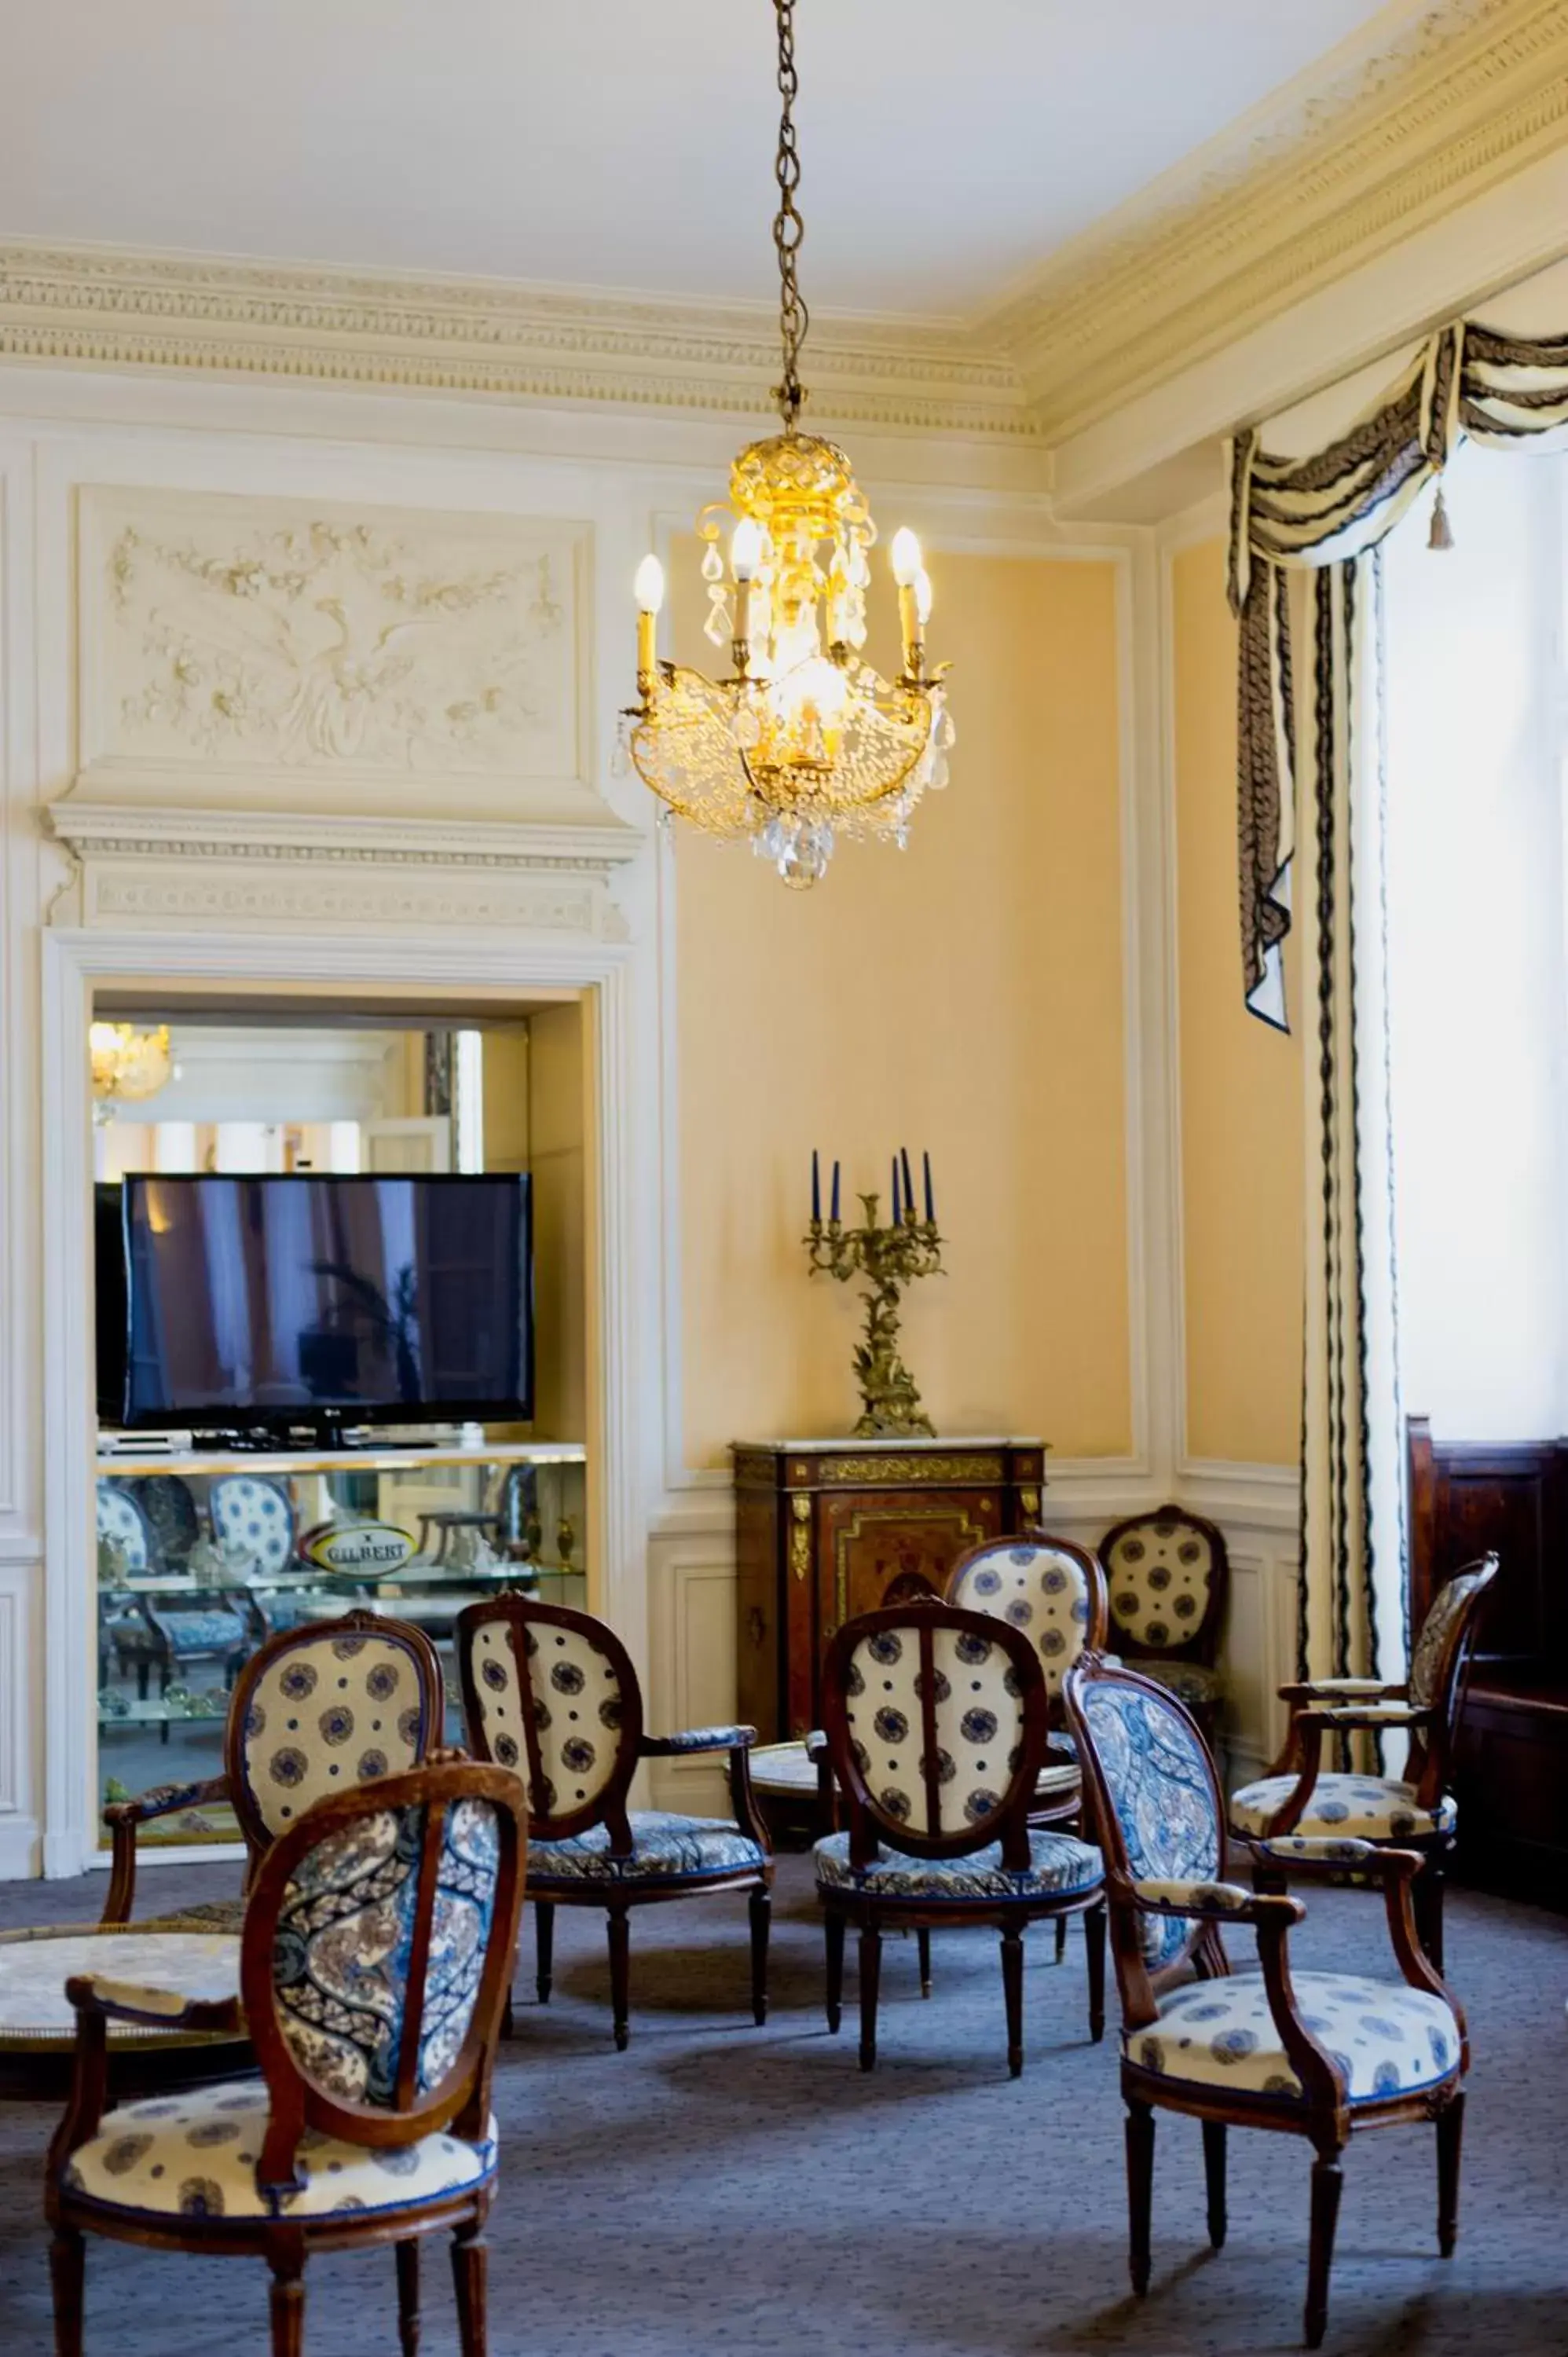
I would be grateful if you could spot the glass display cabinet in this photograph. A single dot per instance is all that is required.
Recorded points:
(202, 1558)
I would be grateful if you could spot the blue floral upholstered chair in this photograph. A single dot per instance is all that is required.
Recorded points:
(552, 1694)
(377, 1947)
(935, 1722)
(1317, 2054)
(316, 1710)
(1415, 1810)
(1169, 1577)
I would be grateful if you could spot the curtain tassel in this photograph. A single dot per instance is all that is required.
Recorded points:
(1441, 535)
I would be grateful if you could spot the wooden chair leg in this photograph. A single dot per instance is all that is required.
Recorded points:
(287, 2309)
(923, 1944)
(1012, 1989)
(68, 2266)
(1062, 1937)
(761, 1909)
(1426, 1903)
(1214, 2179)
(870, 1982)
(543, 1949)
(620, 1974)
(408, 2297)
(469, 2279)
(1140, 2191)
(833, 1931)
(1327, 2178)
(1094, 1953)
(1450, 2134)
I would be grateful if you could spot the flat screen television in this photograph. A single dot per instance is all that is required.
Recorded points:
(273, 1304)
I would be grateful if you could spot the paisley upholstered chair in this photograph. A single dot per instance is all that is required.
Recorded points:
(1169, 1576)
(1415, 1810)
(377, 1946)
(552, 1694)
(316, 1711)
(1318, 2054)
(934, 1720)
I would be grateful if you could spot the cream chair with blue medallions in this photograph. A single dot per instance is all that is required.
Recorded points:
(1169, 1576)
(936, 1720)
(1415, 1810)
(316, 1710)
(552, 1694)
(1322, 2055)
(377, 1946)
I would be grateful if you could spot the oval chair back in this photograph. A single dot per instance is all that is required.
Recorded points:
(1439, 1664)
(552, 1694)
(377, 1948)
(1050, 1588)
(1169, 1574)
(1157, 1815)
(323, 1707)
(936, 1720)
(248, 1509)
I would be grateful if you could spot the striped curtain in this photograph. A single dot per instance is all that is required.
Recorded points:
(1327, 512)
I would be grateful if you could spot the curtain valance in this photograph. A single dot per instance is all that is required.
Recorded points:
(1286, 513)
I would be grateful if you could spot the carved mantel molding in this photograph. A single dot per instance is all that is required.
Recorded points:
(158, 870)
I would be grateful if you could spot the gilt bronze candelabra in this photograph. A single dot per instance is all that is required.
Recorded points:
(888, 1258)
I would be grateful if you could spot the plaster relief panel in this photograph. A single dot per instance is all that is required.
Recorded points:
(294, 654)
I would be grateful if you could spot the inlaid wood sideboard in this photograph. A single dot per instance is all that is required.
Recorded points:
(826, 1529)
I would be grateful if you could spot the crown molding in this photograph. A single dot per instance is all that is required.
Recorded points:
(1434, 104)
(141, 830)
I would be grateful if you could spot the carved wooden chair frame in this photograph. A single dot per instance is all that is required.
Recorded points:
(461, 2101)
(869, 1825)
(1323, 2116)
(521, 1614)
(1344, 1706)
(125, 1818)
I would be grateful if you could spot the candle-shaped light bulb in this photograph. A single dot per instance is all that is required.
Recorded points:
(905, 555)
(648, 588)
(746, 549)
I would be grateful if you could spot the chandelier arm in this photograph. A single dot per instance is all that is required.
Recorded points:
(788, 229)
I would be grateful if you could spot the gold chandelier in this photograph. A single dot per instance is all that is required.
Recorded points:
(127, 1064)
(804, 741)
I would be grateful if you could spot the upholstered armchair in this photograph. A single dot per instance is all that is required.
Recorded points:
(552, 1694)
(1415, 1810)
(377, 1947)
(1317, 2054)
(1169, 1576)
(934, 1720)
(316, 1711)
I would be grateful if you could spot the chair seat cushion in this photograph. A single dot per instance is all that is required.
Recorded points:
(193, 2157)
(36, 1964)
(786, 1767)
(1193, 1682)
(1374, 1808)
(1059, 1868)
(1387, 2037)
(665, 1848)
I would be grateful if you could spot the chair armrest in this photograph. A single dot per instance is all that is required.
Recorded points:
(122, 1817)
(1325, 1856)
(1363, 1714)
(1300, 1853)
(164, 2009)
(1217, 1902)
(698, 1738)
(817, 1745)
(1345, 1689)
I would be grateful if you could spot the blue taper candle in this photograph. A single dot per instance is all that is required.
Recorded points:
(895, 1212)
(908, 1184)
(835, 1190)
(930, 1206)
(816, 1191)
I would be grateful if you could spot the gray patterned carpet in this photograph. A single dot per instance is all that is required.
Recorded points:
(724, 2191)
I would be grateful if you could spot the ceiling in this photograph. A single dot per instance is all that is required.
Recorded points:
(949, 147)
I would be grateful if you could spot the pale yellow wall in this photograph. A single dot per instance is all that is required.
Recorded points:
(504, 1090)
(1241, 1106)
(558, 1134)
(964, 995)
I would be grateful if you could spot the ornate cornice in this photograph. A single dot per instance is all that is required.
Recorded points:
(310, 838)
(1436, 102)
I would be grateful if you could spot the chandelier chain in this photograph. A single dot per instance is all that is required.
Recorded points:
(788, 229)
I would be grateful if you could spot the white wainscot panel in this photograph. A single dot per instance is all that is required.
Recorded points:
(20, 1718)
(1258, 1652)
(692, 1624)
(263, 642)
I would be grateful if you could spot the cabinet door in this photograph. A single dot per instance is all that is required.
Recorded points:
(873, 1542)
